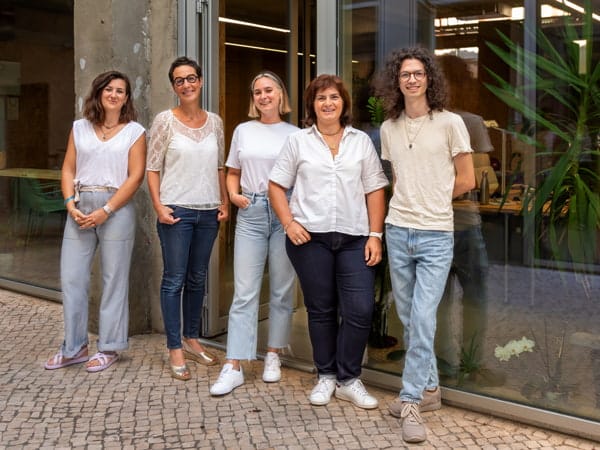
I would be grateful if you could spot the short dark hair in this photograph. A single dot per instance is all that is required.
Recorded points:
(388, 87)
(184, 61)
(325, 81)
(93, 109)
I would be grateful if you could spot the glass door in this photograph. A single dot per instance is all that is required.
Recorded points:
(235, 42)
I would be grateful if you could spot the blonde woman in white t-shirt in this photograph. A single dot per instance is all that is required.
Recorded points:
(103, 167)
(259, 236)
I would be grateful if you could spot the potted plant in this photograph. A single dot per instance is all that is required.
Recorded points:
(564, 209)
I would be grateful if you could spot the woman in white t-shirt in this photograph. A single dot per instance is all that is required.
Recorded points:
(259, 236)
(186, 181)
(103, 167)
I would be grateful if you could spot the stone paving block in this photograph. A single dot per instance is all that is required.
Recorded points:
(136, 404)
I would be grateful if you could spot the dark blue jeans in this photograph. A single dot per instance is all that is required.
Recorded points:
(186, 248)
(338, 290)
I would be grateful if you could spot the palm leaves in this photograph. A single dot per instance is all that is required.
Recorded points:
(566, 206)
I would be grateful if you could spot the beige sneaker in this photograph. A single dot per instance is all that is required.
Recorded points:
(432, 400)
(413, 429)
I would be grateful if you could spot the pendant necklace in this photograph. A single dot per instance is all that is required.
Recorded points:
(108, 130)
(412, 140)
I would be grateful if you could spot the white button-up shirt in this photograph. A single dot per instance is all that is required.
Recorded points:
(329, 193)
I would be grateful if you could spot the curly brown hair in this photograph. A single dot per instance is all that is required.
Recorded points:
(93, 109)
(325, 81)
(388, 87)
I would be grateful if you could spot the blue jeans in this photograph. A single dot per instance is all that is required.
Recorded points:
(419, 263)
(259, 236)
(115, 238)
(339, 295)
(470, 265)
(186, 248)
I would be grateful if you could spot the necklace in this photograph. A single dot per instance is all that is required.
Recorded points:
(412, 140)
(331, 134)
(108, 132)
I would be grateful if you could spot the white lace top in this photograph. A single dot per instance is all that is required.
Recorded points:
(188, 160)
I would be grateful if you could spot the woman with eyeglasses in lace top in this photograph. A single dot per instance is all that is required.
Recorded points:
(186, 181)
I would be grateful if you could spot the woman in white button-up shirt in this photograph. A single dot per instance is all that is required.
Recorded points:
(333, 223)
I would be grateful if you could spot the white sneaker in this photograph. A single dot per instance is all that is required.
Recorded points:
(356, 393)
(322, 392)
(228, 380)
(272, 372)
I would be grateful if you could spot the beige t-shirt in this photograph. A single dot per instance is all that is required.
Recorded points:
(422, 152)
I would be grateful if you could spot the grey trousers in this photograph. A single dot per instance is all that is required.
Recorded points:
(115, 238)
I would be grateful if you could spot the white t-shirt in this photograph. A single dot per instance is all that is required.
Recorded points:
(329, 194)
(254, 149)
(103, 163)
(188, 160)
(424, 174)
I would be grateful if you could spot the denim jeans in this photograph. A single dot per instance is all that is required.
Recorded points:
(419, 263)
(338, 290)
(259, 237)
(186, 248)
(470, 265)
(115, 238)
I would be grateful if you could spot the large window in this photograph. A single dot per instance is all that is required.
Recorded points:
(36, 111)
(519, 318)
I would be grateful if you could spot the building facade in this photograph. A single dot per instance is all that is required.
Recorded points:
(518, 328)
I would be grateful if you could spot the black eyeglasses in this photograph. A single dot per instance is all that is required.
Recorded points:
(190, 79)
(419, 75)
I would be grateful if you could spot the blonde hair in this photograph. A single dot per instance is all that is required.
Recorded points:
(284, 101)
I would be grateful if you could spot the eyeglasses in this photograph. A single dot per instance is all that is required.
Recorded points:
(419, 75)
(190, 79)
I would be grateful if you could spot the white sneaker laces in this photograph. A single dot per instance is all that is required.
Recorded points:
(410, 413)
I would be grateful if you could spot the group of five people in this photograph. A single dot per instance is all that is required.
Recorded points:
(311, 203)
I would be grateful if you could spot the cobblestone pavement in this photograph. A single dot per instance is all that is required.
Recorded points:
(136, 404)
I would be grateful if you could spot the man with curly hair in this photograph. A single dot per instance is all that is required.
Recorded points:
(430, 154)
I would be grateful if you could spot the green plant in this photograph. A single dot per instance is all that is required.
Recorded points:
(565, 209)
(376, 111)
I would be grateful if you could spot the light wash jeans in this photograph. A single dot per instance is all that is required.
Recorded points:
(115, 238)
(259, 238)
(419, 263)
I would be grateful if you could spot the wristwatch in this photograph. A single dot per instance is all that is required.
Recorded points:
(376, 234)
(107, 209)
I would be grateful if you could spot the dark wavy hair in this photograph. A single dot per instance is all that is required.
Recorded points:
(184, 61)
(325, 81)
(93, 109)
(387, 84)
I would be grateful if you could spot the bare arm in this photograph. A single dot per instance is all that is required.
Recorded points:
(296, 232)
(233, 188)
(376, 213)
(223, 214)
(163, 212)
(465, 174)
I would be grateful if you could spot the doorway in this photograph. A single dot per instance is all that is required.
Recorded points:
(235, 41)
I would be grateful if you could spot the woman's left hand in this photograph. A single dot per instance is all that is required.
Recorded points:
(93, 219)
(373, 251)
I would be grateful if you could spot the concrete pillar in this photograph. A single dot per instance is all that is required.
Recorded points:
(139, 38)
